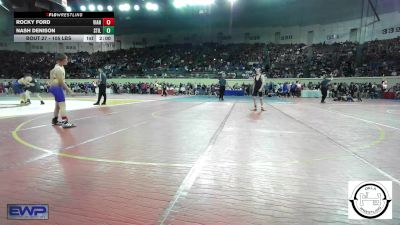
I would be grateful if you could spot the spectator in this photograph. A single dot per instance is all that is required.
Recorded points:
(282, 60)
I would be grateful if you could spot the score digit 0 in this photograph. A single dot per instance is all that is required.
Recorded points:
(108, 21)
(108, 30)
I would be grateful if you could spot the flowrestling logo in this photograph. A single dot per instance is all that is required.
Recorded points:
(27, 212)
(370, 200)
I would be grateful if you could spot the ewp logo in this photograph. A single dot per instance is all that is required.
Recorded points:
(27, 212)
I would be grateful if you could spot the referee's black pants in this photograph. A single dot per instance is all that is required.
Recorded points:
(324, 92)
(102, 92)
(221, 92)
(164, 92)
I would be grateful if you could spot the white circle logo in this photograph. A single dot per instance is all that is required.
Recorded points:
(370, 200)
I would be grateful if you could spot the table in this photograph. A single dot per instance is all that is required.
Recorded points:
(169, 92)
(108, 90)
(233, 93)
(311, 94)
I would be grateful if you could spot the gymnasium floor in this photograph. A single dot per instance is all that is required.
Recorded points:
(194, 160)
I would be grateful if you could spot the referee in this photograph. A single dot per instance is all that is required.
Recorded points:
(222, 86)
(325, 87)
(102, 87)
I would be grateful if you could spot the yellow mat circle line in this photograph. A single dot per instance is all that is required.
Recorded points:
(29, 145)
(15, 135)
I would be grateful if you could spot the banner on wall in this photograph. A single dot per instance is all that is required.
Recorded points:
(391, 30)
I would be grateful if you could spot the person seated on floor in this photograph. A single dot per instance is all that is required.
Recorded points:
(293, 89)
(344, 98)
(285, 90)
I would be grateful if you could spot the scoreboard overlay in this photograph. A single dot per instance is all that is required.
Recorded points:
(64, 27)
